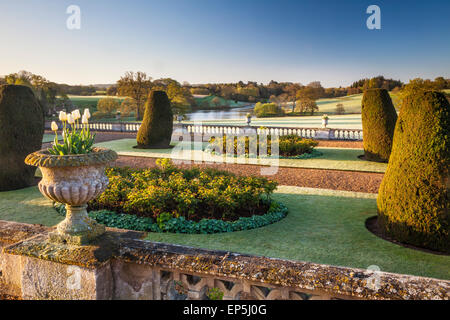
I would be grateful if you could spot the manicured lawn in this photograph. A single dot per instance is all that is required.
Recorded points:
(28, 206)
(332, 158)
(48, 137)
(352, 104)
(323, 226)
(200, 101)
(82, 102)
(326, 229)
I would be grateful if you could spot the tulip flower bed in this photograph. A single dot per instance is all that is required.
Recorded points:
(170, 199)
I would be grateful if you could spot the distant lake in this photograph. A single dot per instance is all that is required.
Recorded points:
(224, 114)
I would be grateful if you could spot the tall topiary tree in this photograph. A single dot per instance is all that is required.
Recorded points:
(21, 132)
(378, 120)
(157, 125)
(413, 200)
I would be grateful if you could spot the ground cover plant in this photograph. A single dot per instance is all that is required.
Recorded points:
(289, 146)
(180, 200)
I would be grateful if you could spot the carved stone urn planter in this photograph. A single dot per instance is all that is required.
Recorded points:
(73, 180)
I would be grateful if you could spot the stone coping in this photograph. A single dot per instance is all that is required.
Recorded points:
(90, 256)
(303, 275)
(12, 232)
(127, 246)
(43, 158)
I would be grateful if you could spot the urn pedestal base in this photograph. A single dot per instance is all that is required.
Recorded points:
(77, 228)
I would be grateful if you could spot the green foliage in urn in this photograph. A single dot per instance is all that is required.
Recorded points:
(413, 200)
(378, 120)
(77, 138)
(157, 125)
(167, 223)
(21, 132)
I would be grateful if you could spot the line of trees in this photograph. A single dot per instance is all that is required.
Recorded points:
(136, 86)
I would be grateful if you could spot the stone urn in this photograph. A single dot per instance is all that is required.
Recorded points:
(249, 119)
(325, 121)
(73, 180)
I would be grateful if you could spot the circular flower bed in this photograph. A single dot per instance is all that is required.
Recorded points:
(290, 147)
(169, 199)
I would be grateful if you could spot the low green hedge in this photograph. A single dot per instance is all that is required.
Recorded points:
(276, 212)
(290, 146)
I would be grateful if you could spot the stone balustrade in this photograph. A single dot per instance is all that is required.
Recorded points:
(120, 265)
(208, 130)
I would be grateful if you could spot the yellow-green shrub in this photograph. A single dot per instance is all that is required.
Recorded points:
(262, 110)
(190, 193)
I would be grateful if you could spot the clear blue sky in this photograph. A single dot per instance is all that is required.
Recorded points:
(226, 40)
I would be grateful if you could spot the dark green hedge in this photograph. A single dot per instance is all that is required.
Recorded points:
(289, 146)
(21, 132)
(413, 200)
(378, 120)
(111, 219)
(157, 125)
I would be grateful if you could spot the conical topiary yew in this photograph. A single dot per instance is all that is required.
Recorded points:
(21, 132)
(378, 120)
(413, 200)
(156, 128)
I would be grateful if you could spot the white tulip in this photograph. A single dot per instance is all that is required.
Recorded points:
(84, 119)
(76, 114)
(54, 126)
(70, 119)
(62, 116)
(87, 113)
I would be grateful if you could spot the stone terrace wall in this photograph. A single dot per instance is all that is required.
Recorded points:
(121, 266)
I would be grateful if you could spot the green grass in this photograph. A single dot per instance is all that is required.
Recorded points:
(332, 158)
(322, 229)
(82, 102)
(323, 226)
(48, 137)
(352, 104)
(27, 206)
(223, 102)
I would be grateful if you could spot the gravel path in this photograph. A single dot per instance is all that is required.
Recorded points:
(311, 178)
